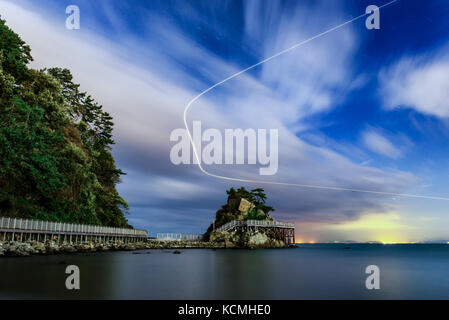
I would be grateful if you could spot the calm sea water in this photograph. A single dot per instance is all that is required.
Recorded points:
(319, 271)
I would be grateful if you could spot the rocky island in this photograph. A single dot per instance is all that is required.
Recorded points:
(249, 211)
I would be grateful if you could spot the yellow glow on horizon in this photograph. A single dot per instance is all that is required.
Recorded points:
(386, 228)
(391, 242)
(305, 241)
(373, 222)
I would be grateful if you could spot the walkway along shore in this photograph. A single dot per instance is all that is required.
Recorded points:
(24, 237)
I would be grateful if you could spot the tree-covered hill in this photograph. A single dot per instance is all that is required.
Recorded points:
(55, 145)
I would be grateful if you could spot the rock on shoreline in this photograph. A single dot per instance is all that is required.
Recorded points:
(218, 240)
(248, 239)
(23, 249)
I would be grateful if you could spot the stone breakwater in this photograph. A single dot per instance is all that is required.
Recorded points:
(23, 249)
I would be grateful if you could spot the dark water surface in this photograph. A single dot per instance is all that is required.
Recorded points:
(319, 271)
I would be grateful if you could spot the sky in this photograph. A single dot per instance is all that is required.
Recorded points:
(355, 108)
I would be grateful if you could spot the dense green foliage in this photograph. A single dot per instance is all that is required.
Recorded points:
(230, 211)
(55, 155)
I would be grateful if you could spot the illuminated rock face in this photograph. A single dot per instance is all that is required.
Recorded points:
(219, 236)
(245, 206)
(258, 239)
(250, 239)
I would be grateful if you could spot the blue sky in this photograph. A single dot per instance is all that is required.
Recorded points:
(356, 108)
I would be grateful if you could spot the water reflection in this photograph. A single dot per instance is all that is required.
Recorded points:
(308, 272)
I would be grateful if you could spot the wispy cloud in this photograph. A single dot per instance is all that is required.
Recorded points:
(418, 82)
(378, 143)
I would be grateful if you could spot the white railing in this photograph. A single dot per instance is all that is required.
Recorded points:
(62, 227)
(255, 223)
(178, 236)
